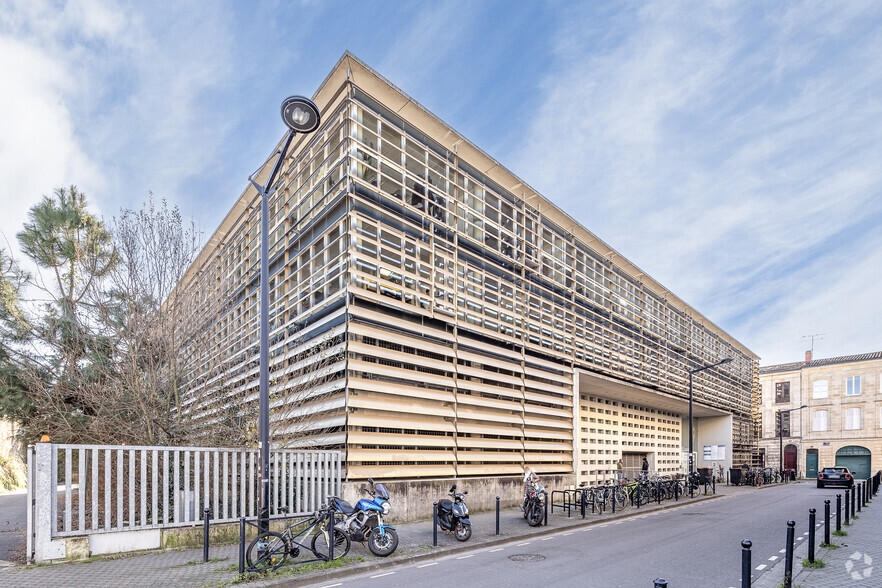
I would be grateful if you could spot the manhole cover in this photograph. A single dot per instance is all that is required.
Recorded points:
(526, 557)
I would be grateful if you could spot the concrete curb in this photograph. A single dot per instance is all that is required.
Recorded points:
(444, 551)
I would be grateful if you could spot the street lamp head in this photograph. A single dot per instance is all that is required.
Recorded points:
(726, 360)
(300, 114)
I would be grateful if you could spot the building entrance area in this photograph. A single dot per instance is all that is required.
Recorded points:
(856, 459)
(633, 463)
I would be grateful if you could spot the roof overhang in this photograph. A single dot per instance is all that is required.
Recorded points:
(606, 387)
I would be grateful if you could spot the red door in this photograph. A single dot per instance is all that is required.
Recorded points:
(790, 457)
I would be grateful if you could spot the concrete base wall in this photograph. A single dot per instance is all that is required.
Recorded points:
(412, 500)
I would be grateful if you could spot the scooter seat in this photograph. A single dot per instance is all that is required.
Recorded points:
(343, 506)
(445, 505)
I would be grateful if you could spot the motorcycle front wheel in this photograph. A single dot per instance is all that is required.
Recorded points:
(463, 532)
(383, 545)
(534, 514)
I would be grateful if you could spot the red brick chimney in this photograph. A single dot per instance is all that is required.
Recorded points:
(808, 356)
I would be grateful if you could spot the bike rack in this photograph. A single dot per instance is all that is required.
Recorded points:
(570, 500)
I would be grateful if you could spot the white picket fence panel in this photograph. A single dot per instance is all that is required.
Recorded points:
(112, 488)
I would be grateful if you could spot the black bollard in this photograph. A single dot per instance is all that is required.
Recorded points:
(614, 501)
(847, 507)
(582, 502)
(659, 583)
(745, 564)
(838, 512)
(676, 491)
(332, 539)
(545, 524)
(206, 514)
(788, 562)
(827, 522)
(853, 500)
(811, 547)
(435, 524)
(242, 545)
(658, 492)
(858, 496)
(497, 515)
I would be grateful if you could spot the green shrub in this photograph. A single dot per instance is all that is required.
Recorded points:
(13, 472)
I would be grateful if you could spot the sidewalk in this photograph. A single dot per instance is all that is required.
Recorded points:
(185, 567)
(851, 565)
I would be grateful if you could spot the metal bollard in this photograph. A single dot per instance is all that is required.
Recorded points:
(658, 492)
(676, 491)
(242, 545)
(838, 511)
(497, 515)
(659, 583)
(827, 522)
(205, 518)
(614, 502)
(545, 524)
(788, 562)
(582, 502)
(745, 564)
(333, 538)
(435, 524)
(811, 545)
(858, 496)
(847, 507)
(853, 500)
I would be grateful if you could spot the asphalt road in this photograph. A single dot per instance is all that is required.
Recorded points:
(698, 545)
(13, 524)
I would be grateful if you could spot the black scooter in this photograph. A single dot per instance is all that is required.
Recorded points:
(453, 515)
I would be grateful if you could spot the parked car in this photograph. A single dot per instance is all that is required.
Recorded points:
(835, 476)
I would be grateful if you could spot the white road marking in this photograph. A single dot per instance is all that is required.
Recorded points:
(800, 538)
(434, 563)
(565, 534)
(806, 533)
(522, 544)
(773, 558)
(497, 549)
(761, 567)
(466, 556)
(381, 575)
(783, 551)
(331, 585)
(547, 538)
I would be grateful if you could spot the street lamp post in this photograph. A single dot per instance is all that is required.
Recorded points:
(691, 373)
(301, 115)
(781, 434)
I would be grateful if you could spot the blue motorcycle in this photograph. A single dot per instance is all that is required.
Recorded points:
(364, 521)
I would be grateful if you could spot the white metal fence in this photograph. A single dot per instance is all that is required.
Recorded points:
(78, 490)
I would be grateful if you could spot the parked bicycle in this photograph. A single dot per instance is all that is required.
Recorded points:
(269, 550)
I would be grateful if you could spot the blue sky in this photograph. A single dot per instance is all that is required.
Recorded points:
(732, 150)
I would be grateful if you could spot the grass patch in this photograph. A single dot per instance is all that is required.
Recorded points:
(840, 533)
(817, 564)
(291, 571)
(829, 546)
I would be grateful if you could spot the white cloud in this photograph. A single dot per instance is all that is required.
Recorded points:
(730, 152)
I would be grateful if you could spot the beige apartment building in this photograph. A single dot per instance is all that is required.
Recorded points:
(475, 327)
(841, 423)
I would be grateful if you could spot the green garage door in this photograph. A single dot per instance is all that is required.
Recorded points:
(856, 459)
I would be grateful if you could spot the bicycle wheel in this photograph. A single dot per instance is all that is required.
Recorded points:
(268, 551)
(341, 543)
(621, 498)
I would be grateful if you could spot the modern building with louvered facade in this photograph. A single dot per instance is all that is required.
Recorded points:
(474, 326)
